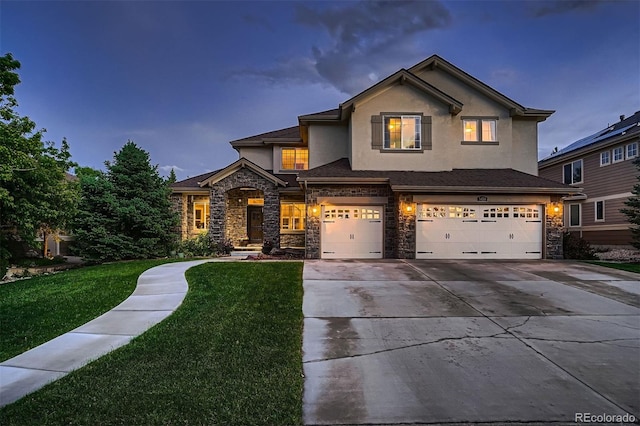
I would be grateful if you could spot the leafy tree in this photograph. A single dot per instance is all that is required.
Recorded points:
(126, 212)
(633, 210)
(34, 192)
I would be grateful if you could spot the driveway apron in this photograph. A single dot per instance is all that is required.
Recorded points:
(388, 342)
(159, 292)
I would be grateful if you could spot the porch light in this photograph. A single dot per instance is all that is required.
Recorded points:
(556, 209)
(409, 208)
(314, 210)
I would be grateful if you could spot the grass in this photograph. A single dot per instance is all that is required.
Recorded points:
(231, 354)
(36, 310)
(631, 267)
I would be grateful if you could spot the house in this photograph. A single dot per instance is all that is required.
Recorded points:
(602, 164)
(428, 163)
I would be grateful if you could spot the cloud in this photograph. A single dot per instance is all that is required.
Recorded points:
(556, 7)
(169, 168)
(366, 40)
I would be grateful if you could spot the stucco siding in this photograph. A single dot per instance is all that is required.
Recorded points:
(261, 156)
(448, 151)
(327, 143)
(524, 151)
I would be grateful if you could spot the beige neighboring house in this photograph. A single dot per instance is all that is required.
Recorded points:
(429, 163)
(602, 164)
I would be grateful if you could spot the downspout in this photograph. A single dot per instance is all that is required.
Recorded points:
(307, 221)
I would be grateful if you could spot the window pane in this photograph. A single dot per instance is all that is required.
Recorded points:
(470, 130)
(302, 159)
(394, 131)
(409, 132)
(567, 174)
(574, 219)
(288, 159)
(488, 131)
(577, 171)
(599, 210)
(632, 150)
(604, 158)
(617, 154)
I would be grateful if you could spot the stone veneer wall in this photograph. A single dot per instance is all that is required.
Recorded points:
(313, 220)
(554, 227)
(236, 218)
(406, 226)
(183, 204)
(244, 178)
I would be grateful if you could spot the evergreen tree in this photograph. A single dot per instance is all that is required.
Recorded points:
(126, 212)
(633, 210)
(172, 177)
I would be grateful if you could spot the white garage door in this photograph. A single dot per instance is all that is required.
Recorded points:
(351, 232)
(479, 232)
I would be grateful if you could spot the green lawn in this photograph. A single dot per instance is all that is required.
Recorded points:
(631, 267)
(230, 355)
(36, 310)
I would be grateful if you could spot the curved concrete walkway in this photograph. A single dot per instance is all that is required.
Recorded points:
(159, 292)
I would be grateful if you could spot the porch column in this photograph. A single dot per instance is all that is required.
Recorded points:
(271, 215)
(217, 209)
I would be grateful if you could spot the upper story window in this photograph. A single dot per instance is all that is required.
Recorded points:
(618, 154)
(295, 159)
(632, 150)
(572, 172)
(402, 132)
(479, 129)
(201, 214)
(605, 158)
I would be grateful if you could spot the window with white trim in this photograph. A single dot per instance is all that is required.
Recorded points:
(618, 154)
(201, 214)
(295, 159)
(572, 172)
(598, 207)
(292, 216)
(402, 132)
(574, 214)
(632, 150)
(479, 130)
(605, 158)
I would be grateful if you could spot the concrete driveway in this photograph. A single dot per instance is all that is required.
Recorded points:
(393, 341)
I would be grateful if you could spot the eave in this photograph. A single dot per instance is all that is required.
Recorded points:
(484, 189)
(343, 180)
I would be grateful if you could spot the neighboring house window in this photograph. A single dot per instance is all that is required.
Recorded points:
(201, 214)
(572, 172)
(605, 158)
(479, 130)
(295, 158)
(402, 132)
(292, 216)
(632, 150)
(574, 214)
(618, 154)
(599, 209)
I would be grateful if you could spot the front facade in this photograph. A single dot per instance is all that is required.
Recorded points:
(602, 164)
(428, 163)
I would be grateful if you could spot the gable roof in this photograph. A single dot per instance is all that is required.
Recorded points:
(192, 183)
(234, 167)
(286, 135)
(435, 61)
(622, 130)
(456, 180)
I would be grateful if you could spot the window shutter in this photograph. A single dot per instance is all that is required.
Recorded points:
(426, 133)
(376, 132)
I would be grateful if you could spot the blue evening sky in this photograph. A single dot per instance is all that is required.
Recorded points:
(183, 78)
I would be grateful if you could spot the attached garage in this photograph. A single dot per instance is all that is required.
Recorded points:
(479, 231)
(352, 232)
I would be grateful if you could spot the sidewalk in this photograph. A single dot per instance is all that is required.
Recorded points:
(159, 292)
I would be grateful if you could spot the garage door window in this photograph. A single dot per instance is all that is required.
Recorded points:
(351, 213)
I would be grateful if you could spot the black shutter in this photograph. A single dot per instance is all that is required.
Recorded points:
(376, 132)
(426, 133)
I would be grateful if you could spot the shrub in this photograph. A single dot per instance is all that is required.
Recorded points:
(576, 247)
(201, 245)
(224, 247)
(267, 247)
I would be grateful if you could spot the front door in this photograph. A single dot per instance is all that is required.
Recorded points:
(254, 224)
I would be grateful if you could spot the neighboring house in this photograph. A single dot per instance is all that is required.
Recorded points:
(601, 164)
(428, 163)
(56, 242)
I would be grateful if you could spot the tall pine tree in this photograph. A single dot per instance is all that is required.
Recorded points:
(633, 210)
(126, 212)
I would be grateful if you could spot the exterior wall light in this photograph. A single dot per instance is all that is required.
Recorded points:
(409, 208)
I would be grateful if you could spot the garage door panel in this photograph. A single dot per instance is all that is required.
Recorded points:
(351, 232)
(479, 231)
